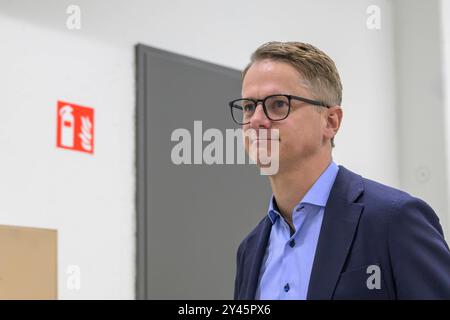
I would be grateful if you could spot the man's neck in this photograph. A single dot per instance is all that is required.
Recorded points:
(289, 186)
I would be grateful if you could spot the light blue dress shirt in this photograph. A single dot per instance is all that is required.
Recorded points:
(287, 263)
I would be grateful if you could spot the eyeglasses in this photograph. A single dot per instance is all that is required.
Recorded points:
(276, 107)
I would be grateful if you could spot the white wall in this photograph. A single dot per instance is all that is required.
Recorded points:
(90, 198)
(423, 164)
(445, 54)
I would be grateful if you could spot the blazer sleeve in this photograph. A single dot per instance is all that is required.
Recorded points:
(420, 257)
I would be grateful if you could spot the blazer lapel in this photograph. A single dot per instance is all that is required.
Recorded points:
(340, 221)
(255, 254)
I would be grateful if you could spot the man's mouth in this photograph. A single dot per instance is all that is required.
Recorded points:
(263, 136)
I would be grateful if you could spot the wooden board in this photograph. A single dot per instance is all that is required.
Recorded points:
(28, 263)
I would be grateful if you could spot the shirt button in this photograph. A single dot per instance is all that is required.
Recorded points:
(298, 209)
(286, 287)
(292, 243)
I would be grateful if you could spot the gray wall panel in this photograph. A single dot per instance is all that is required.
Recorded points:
(191, 218)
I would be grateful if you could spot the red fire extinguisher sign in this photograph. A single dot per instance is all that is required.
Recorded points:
(75, 127)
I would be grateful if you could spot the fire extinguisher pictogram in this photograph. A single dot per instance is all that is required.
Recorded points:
(67, 126)
(75, 127)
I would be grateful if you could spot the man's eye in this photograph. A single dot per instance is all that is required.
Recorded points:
(279, 104)
(249, 107)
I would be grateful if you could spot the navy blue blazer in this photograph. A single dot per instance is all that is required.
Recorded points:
(365, 223)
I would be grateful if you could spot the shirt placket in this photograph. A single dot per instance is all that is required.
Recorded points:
(289, 284)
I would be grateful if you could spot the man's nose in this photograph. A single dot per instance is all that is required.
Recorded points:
(259, 118)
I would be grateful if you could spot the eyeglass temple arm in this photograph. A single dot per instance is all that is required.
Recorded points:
(314, 102)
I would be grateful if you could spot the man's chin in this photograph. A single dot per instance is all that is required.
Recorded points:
(266, 164)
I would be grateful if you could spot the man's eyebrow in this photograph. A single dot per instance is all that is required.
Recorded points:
(272, 94)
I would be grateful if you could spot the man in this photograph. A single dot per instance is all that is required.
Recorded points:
(329, 233)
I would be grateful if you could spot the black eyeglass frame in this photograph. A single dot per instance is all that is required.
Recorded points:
(256, 101)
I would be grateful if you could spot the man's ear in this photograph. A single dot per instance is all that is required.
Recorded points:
(333, 119)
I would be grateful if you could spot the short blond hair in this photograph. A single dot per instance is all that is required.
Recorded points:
(317, 68)
(320, 75)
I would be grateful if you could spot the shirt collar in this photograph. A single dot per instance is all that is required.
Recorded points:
(317, 195)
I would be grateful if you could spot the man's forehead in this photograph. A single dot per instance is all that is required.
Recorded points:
(259, 92)
(270, 77)
(261, 89)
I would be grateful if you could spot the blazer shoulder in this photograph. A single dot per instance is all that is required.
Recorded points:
(353, 187)
(380, 198)
(383, 194)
